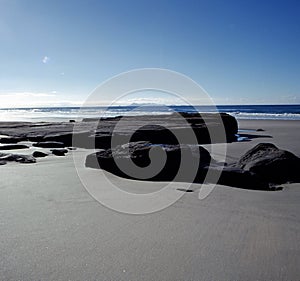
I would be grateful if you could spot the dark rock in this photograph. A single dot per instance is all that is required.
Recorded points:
(2, 162)
(138, 152)
(72, 121)
(276, 187)
(261, 168)
(97, 133)
(271, 164)
(11, 139)
(59, 152)
(76, 139)
(17, 158)
(49, 144)
(116, 118)
(102, 140)
(207, 128)
(38, 154)
(260, 130)
(237, 177)
(13, 146)
(185, 190)
(158, 134)
(25, 159)
(65, 138)
(82, 139)
(213, 123)
(35, 138)
(3, 155)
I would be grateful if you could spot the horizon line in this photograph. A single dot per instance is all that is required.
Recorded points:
(150, 105)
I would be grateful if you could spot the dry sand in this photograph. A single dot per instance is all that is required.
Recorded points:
(52, 229)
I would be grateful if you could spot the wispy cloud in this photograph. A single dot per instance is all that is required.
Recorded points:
(45, 59)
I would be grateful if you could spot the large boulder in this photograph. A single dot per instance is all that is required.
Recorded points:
(138, 152)
(271, 164)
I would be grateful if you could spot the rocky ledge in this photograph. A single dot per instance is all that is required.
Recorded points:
(264, 167)
(10, 157)
(138, 139)
(98, 133)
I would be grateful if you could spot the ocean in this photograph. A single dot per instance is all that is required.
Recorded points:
(59, 114)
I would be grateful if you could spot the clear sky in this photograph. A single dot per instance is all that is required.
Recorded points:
(55, 53)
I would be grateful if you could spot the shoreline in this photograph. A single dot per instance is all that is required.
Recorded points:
(60, 114)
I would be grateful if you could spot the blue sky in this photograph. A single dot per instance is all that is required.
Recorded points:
(55, 53)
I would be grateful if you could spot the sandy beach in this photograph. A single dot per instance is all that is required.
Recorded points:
(51, 228)
(149, 140)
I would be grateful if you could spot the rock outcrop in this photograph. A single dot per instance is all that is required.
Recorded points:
(49, 144)
(13, 146)
(236, 177)
(139, 154)
(59, 152)
(16, 158)
(271, 164)
(39, 154)
(11, 139)
(263, 167)
(97, 133)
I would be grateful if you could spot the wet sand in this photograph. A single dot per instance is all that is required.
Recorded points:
(52, 229)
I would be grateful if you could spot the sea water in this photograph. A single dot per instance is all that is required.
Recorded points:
(47, 114)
